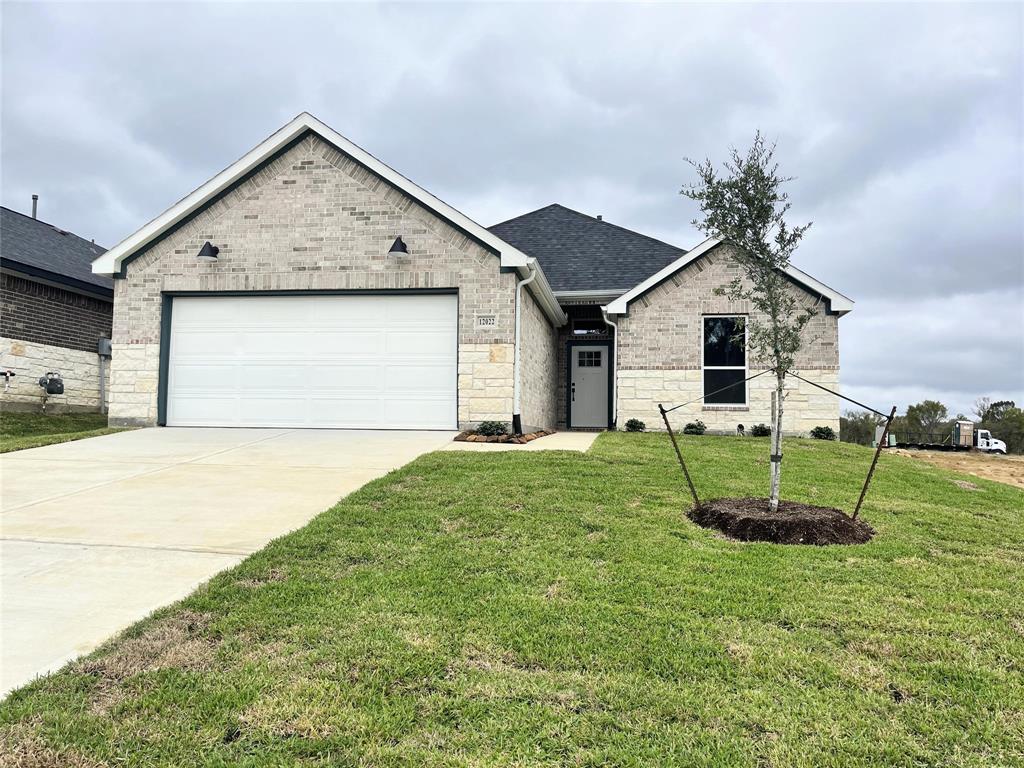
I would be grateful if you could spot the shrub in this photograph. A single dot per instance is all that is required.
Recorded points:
(695, 428)
(823, 433)
(635, 425)
(761, 430)
(491, 428)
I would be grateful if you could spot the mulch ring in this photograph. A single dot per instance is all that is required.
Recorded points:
(470, 437)
(793, 523)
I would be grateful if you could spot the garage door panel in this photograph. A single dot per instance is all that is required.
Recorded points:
(430, 380)
(203, 377)
(421, 414)
(314, 361)
(271, 376)
(253, 409)
(200, 343)
(355, 311)
(420, 341)
(204, 408)
(349, 343)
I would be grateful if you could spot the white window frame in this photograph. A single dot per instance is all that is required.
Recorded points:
(744, 368)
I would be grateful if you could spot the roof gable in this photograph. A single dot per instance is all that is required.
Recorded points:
(111, 262)
(838, 303)
(34, 247)
(584, 253)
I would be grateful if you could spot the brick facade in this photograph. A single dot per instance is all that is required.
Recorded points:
(313, 219)
(44, 314)
(538, 355)
(659, 355)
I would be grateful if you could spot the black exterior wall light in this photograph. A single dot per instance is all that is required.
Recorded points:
(208, 253)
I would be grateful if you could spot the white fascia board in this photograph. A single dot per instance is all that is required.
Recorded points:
(602, 296)
(838, 303)
(110, 262)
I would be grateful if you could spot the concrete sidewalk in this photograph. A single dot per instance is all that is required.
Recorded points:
(96, 534)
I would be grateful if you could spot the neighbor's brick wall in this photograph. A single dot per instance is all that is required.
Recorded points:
(539, 366)
(44, 314)
(660, 355)
(314, 219)
(31, 360)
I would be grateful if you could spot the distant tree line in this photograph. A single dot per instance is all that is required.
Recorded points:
(931, 418)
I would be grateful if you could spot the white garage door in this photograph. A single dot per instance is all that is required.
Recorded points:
(373, 362)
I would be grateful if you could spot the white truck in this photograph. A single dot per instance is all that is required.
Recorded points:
(964, 437)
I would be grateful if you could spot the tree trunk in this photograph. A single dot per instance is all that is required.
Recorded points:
(776, 458)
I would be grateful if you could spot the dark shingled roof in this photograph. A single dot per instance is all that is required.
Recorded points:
(580, 253)
(39, 248)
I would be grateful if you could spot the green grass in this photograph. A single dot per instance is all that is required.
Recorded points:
(31, 430)
(558, 609)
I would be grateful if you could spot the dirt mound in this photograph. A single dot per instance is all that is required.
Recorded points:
(1002, 469)
(793, 523)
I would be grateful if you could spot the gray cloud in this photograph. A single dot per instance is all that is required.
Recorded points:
(902, 124)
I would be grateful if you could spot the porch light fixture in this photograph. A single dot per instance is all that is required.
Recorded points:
(399, 248)
(208, 253)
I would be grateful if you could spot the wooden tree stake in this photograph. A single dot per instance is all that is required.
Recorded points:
(867, 480)
(686, 473)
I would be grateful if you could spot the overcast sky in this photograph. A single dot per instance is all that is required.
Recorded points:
(904, 126)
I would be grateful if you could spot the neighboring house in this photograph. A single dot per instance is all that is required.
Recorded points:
(310, 285)
(53, 313)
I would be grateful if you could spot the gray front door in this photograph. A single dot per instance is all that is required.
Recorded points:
(588, 386)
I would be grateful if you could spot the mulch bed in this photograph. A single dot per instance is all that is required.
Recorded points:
(470, 437)
(793, 523)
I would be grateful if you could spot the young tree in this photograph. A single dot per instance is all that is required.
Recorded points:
(746, 207)
(981, 408)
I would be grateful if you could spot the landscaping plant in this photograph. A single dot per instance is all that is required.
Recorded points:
(492, 428)
(746, 208)
(760, 430)
(635, 425)
(823, 433)
(695, 428)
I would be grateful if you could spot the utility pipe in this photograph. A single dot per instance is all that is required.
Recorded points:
(517, 419)
(103, 384)
(615, 371)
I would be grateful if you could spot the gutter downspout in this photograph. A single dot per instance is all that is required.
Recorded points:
(615, 369)
(517, 420)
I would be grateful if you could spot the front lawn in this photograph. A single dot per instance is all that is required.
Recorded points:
(536, 608)
(31, 430)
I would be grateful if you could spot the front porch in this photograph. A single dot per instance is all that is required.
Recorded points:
(586, 347)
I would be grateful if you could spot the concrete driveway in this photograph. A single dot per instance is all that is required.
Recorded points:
(98, 533)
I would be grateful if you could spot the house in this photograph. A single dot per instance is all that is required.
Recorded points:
(54, 312)
(310, 285)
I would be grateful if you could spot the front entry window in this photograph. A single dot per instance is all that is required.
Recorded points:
(725, 361)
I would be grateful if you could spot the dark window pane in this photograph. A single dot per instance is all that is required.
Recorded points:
(734, 395)
(721, 345)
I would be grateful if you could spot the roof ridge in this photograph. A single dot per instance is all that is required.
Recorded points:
(596, 221)
(528, 213)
